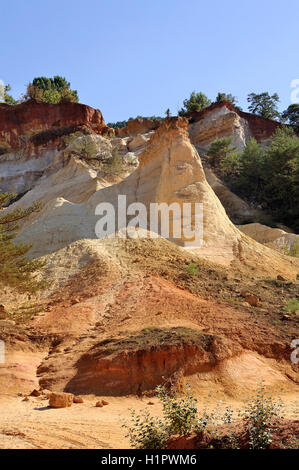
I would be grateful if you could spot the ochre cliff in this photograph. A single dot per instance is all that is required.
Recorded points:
(18, 124)
(138, 126)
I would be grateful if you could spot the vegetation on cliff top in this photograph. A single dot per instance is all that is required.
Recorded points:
(156, 337)
(51, 90)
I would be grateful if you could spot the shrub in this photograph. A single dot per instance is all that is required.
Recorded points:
(179, 413)
(259, 416)
(180, 417)
(115, 165)
(292, 305)
(192, 269)
(146, 432)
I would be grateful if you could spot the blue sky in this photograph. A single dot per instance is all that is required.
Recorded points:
(139, 57)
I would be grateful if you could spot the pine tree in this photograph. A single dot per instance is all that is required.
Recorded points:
(16, 270)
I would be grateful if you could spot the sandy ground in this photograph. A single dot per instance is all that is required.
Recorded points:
(32, 425)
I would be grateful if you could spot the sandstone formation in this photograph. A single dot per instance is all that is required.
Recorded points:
(272, 237)
(224, 120)
(137, 126)
(60, 400)
(32, 124)
(123, 315)
(33, 137)
(169, 171)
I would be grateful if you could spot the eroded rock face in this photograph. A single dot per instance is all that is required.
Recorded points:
(169, 171)
(27, 123)
(273, 237)
(224, 120)
(137, 126)
(33, 138)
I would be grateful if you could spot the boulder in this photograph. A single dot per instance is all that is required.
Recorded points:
(252, 300)
(60, 400)
(78, 400)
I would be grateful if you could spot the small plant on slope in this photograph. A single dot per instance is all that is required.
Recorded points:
(179, 413)
(191, 269)
(292, 305)
(259, 417)
(146, 432)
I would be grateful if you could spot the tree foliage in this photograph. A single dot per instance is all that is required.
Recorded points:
(15, 269)
(226, 97)
(51, 90)
(291, 116)
(196, 102)
(223, 155)
(270, 176)
(120, 124)
(8, 99)
(264, 105)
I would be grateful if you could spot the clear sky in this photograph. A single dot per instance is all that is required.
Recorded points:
(139, 57)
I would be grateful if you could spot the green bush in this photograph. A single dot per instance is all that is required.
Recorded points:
(146, 432)
(181, 418)
(114, 166)
(192, 269)
(180, 414)
(259, 416)
(292, 305)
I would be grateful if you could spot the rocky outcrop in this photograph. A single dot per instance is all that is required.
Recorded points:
(77, 159)
(224, 120)
(170, 171)
(137, 126)
(32, 124)
(135, 372)
(272, 237)
(33, 137)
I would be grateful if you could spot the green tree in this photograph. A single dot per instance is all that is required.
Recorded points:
(291, 116)
(251, 170)
(15, 269)
(51, 90)
(224, 155)
(282, 183)
(270, 176)
(264, 105)
(196, 102)
(226, 97)
(8, 99)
